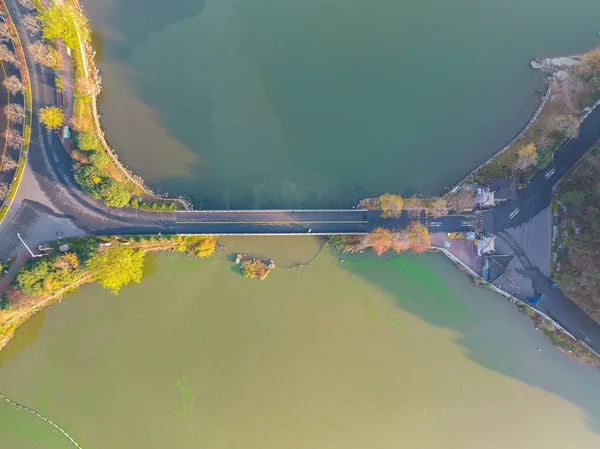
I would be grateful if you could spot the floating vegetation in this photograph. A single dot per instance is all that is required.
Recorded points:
(370, 308)
(186, 396)
(186, 403)
(395, 322)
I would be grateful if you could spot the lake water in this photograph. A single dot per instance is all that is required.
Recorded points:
(316, 103)
(378, 354)
(271, 103)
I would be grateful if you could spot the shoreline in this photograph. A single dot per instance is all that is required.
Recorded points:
(87, 58)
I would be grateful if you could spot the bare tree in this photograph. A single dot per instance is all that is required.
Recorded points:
(14, 139)
(4, 32)
(43, 54)
(8, 164)
(14, 84)
(15, 113)
(4, 187)
(32, 24)
(27, 4)
(8, 56)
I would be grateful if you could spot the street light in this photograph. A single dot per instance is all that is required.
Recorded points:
(28, 249)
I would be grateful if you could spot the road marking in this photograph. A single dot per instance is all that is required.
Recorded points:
(271, 222)
(468, 224)
(435, 223)
(550, 173)
(514, 213)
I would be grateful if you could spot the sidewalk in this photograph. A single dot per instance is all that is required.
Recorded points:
(14, 269)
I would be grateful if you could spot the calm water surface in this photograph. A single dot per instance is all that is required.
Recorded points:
(378, 354)
(316, 103)
(270, 103)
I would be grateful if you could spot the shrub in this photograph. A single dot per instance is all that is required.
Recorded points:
(99, 158)
(134, 202)
(86, 141)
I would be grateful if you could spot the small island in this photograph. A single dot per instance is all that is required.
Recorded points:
(254, 268)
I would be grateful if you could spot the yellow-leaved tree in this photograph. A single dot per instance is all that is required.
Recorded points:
(527, 156)
(391, 205)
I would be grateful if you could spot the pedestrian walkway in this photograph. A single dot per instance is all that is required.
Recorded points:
(6, 280)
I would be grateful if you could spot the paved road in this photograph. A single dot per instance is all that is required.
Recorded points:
(533, 202)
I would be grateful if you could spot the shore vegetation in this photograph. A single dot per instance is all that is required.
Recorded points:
(577, 234)
(112, 261)
(414, 238)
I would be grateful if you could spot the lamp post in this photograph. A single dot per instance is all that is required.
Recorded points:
(28, 249)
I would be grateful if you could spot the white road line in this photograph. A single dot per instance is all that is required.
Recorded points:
(550, 173)
(514, 213)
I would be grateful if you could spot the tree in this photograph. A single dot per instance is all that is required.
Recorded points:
(99, 158)
(43, 54)
(113, 193)
(52, 117)
(391, 205)
(590, 62)
(14, 85)
(58, 22)
(8, 56)
(419, 237)
(4, 189)
(89, 177)
(255, 269)
(5, 35)
(27, 4)
(14, 139)
(42, 276)
(14, 113)
(86, 141)
(32, 24)
(98, 183)
(527, 156)
(8, 164)
(206, 246)
(115, 266)
(381, 239)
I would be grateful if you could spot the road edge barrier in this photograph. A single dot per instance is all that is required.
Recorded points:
(24, 72)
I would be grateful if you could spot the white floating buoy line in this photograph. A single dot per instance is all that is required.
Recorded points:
(19, 407)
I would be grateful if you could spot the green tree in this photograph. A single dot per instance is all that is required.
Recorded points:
(52, 117)
(89, 177)
(98, 183)
(116, 266)
(42, 276)
(86, 141)
(99, 158)
(113, 193)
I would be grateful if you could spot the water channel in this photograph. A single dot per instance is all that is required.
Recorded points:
(270, 103)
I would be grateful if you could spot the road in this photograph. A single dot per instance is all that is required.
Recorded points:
(525, 224)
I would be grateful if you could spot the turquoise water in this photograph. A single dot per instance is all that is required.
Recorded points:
(322, 102)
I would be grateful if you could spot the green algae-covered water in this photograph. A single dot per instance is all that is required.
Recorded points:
(353, 354)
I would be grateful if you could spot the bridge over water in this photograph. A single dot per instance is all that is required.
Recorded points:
(301, 222)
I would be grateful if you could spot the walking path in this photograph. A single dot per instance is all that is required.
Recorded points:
(12, 273)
